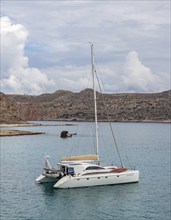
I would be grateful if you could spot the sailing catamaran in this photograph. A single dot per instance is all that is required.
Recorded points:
(85, 170)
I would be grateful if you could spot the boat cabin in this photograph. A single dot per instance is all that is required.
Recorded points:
(78, 168)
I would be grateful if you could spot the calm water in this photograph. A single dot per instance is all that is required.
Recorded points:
(146, 146)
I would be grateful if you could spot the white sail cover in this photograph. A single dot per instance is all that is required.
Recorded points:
(88, 157)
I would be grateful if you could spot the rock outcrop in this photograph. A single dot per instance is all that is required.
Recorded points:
(9, 111)
(66, 105)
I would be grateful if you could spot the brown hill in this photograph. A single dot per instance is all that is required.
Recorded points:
(66, 105)
(9, 112)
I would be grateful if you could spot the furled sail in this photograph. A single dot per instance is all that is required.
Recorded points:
(88, 157)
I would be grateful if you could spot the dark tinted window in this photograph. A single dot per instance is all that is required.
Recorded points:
(70, 170)
(94, 168)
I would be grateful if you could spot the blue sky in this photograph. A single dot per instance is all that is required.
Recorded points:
(45, 45)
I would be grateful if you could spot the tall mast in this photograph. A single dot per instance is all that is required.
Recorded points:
(95, 102)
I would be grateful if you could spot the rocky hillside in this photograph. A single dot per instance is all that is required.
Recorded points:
(66, 105)
(9, 112)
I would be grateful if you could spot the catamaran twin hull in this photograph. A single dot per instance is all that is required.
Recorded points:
(110, 179)
(91, 179)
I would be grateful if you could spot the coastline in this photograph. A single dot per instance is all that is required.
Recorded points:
(19, 125)
(66, 124)
(4, 133)
(32, 124)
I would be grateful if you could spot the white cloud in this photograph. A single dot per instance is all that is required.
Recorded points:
(74, 78)
(16, 74)
(137, 76)
(58, 45)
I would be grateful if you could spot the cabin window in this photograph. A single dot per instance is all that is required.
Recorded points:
(94, 168)
(117, 176)
(98, 177)
(106, 177)
(87, 178)
(70, 170)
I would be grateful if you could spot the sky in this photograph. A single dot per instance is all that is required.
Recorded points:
(45, 45)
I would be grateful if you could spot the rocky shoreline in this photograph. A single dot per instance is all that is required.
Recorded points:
(67, 108)
(70, 124)
(32, 124)
(19, 125)
(17, 132)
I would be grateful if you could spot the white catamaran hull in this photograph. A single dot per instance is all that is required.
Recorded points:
(97, 180)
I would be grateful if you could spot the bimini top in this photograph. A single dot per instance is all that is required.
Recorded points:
(89, 157)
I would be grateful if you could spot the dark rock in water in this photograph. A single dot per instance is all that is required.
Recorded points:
(65, 134)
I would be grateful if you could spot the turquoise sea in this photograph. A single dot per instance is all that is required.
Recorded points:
(145, 146)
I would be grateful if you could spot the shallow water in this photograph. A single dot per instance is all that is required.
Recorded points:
(144, 145)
